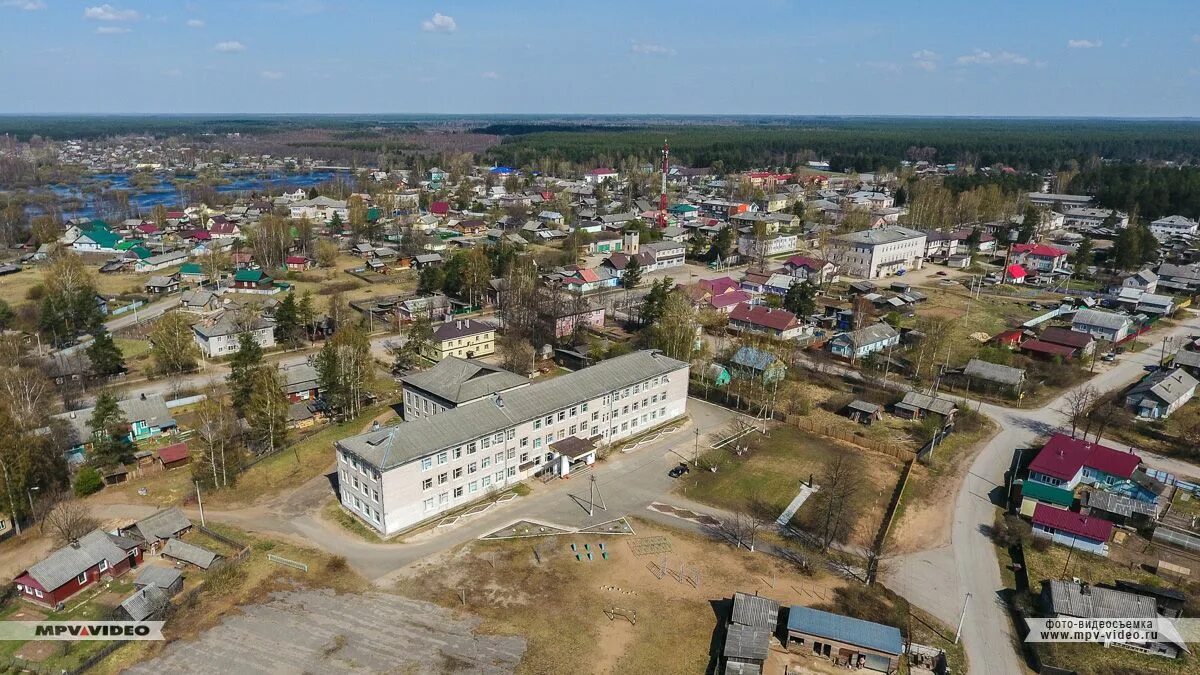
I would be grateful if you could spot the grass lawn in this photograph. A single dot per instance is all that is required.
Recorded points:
(334, 513)
(764, 480)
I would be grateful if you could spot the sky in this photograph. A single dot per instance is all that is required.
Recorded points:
(1114, 58)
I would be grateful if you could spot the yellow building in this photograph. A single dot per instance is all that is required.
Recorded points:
(464, 338)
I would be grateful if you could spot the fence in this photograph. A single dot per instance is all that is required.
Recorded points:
(187, 400)
(289, 563)
(889, 516)
(127, 308)
(830, 431)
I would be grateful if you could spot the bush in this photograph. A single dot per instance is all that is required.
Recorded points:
(1010, 530)
(35, 292)
(87, 482)
(338, 287)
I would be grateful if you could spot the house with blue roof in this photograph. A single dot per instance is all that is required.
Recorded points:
(845, 640)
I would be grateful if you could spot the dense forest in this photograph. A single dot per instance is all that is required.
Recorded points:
(1151, 191)
(860, 144)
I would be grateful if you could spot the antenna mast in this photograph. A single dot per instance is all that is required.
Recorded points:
(662, 195)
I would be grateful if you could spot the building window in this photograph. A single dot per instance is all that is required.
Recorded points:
(574, 429)
(500, 457)
(103, 565)
(458, 453)
(537, 443)
(562, 434)
(444, 498)
(472, 487)
(486, 481)
(498, 438)
(583, 407)
(525, 442)
(512, 433)
(472, 468)
(573, 411)
(427, 484)
(595, 415)
(512, 452)
(426, 463)
(549, 419)
(375, 496)
(356, 485)
(442, 478)
(562, 415)
(485, 442)
(524, 457)
(537, 424)
(512, 471)
(499, 476)
(485, 462)
(458, 492)
(442, 458)
(458, 473)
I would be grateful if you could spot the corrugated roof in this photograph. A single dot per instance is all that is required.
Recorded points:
(755, 610)
(747, 642)
(1089, 527)
(189, 553)
(144, 603)
(459, 380)
(162, 577)
(1044, 492)
(72, 560)
(994, 372)
(393, 446)
(1070, 599)
(846, 629)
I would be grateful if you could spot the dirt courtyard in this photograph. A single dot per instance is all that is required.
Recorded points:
(578, 614)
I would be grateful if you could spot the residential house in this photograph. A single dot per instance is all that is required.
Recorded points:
(1161, 393)
(1154, 304)
(199, 301)
(298, 263)
(156, 529)
(162, 261)
(1145, 281)
(1036, 492)
(397, 477)
(97, 240)
(1071, 598)
(464, 338)
(870, 254)
(1174, 226)
(767, 246)
(192, 273)
(1067, 462)
(300, 382)
(147, 414)
(813, 270)
(916, 405)
(859, 643)
(1188, 361)
(777, 323)
(1040, 257)
(77, 566)
(1085, 217)
(1179, 278)
(667, 254)
(568, 320)
(320, 209)
(174, 456)
(218, 335)
(452, 383)
(251, 280)
(163, 284)
(1083, 343)
(756, 364)
(865, 341)
(597, 176)
(994, 375)
(1102, 325)
(1071, 529)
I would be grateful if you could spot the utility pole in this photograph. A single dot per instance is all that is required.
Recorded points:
(696, 449)
(201, 503)
(32, 515)
(961, 617)
(593, 492)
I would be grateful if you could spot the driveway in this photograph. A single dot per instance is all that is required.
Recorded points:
(939, 580)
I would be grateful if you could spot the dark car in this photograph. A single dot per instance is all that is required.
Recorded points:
(679, 470)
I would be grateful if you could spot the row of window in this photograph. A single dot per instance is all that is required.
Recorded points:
(361, 506)
(485, 482)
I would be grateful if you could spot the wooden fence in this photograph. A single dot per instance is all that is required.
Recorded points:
(848, 436)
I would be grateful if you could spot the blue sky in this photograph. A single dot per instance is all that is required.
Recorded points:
(928, 57)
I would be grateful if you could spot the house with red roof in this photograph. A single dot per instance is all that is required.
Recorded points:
(1040, 257)
(812, 270)
(725, 302)
(719, 285)
(1048, 349)
(439, 208)
(1015, 274)
(297, 263)
(174, 456)
(777, 323)
(1066, 462)
(1075, 530)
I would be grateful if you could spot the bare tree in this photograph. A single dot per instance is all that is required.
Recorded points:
(832, 501)
(1077, 403)
(69, 520)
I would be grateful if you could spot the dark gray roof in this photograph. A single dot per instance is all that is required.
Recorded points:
(920, 401)
(459, 380)
(189, 553)
(225, 323)
(162, 525)
(1070, 599)
(162, 577)
(1187, 358)
(393, 446)
(852, 631)
(742, 668)
(298, 378)
(889, 234)
(755, 610)
(72, 560)
(458, 328)
(152, 410)
(863, 406)
(747, 642)
(994, 372)
(1112, 502)
(144, 603)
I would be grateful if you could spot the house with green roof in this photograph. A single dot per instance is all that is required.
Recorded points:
(191, 272)
(248, 280)
(97, 240)
(1034, 492)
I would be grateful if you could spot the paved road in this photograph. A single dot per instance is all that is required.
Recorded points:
(938, 580)
(151, 311)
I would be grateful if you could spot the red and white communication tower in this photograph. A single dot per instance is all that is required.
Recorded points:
(662, 196)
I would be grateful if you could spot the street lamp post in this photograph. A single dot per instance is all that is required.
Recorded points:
(32, 515)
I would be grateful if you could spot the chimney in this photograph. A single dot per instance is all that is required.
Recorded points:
(375, 425)
(458, 325)
(75, 543)
(143, 396)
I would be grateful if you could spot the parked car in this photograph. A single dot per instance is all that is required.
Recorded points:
(1109, 356)
(679, 470)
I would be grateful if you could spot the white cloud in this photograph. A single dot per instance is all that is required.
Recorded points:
(1084, 44)
(925, 59)
(112, 30)
(985, 58)
(440, 23)
(651, 49)
(109, 13)
(230, 46)
(271, 75)
(27, 5)
(195, 23)
(490, 75)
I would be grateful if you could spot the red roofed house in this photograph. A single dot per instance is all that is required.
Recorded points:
(1014, 274)
(719, 285)
(439, 208)
(813, 270)
(76, 566)
(1083, 342)
(1065, 462)
(174, 456)
(777, 323)
(725, 302)
(1039, 257)
(147, 228)
(1011, 338)
(1049, 349)
(1086, 533)
(297, 263)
